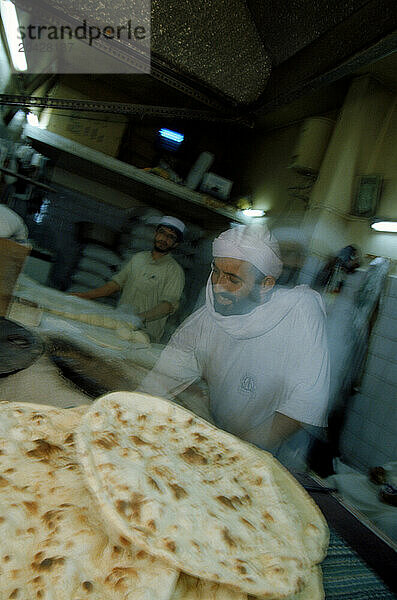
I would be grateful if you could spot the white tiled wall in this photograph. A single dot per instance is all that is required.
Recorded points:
(370, 433)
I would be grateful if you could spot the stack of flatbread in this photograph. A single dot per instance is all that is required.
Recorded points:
(136, 498)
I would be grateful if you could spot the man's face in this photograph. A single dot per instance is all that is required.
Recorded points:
(165, 239)
(236, 290)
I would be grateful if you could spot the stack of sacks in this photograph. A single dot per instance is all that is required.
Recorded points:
(137, 498)
(96, 266)
(139, 238)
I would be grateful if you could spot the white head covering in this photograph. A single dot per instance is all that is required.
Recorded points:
(12, 226)
(252, 243)
(173, 222)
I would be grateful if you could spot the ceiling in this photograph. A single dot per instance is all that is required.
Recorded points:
(252, 62)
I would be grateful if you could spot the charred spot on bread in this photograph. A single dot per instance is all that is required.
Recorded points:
(179, 491)
(88, 586)
(226, 501)
(43, 449)
(192, 456)
(107, 441)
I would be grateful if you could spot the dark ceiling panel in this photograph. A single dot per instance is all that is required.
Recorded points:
(366, 36)
(214, 43)
(288, 26)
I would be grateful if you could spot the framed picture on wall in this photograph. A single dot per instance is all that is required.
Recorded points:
(367, 194)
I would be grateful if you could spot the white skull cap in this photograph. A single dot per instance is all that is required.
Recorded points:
(254, 244)
(173, 222)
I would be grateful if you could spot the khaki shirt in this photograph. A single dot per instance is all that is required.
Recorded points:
(146, 282)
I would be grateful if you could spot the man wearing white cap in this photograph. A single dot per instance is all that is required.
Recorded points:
(262, 350)
(152, 281)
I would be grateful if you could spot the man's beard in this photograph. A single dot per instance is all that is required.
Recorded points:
(241, 306)
(162, 250)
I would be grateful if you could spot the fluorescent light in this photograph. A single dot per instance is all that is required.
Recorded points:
(32, 119)
(174, 136)
(253, 212)
(14, 41)
(387, 226)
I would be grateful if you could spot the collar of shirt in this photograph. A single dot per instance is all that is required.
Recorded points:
(162, 259)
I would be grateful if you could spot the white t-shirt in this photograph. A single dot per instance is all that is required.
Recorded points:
(274, 359)
(12, 226)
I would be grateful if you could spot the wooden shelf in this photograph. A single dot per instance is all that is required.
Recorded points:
(146, 187)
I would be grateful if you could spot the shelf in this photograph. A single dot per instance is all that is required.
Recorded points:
(110, 171)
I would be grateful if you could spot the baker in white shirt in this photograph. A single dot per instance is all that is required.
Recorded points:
(151, 282)
(261, 349)
(12, 226)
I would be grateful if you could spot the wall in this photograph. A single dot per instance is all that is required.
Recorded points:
(383, 162)
(362, 143)
(281, 191)
(370, 435)
(267, 174)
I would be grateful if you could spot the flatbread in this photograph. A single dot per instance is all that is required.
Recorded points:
(53, 542)
(199, 498)
(192, 588)
(314, 589)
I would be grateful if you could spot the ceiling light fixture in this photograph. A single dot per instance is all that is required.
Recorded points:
(253, 212)
(14, 41)
(170, 140)
(32, 119)
(385, 226)
(173, 136)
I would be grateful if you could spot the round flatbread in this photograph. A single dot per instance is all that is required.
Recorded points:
(53, 541)
(192, 588)
(199, 498)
